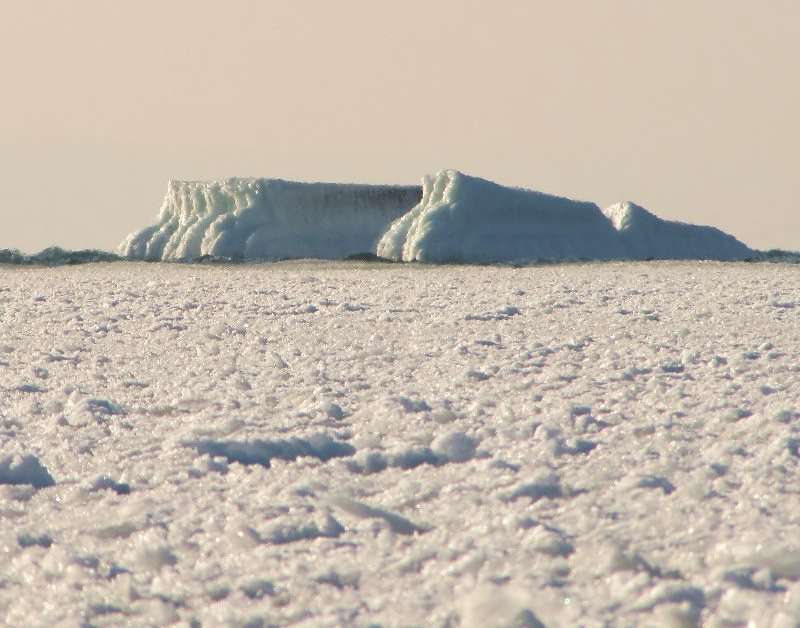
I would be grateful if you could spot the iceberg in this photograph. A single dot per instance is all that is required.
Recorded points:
(452, 217)
(269, 219)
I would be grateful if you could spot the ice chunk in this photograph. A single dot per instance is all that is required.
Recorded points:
(397, 523)
(327, 527)
(501, 607)
(544, 486)
(455, 446)
(107, 482)
(462, 218)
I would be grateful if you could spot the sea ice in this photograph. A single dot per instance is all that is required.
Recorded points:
(588, 444)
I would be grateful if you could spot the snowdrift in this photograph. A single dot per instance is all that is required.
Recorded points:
(451, 218)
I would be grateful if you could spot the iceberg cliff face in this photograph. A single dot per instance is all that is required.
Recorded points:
(269, 219)
(451, 218)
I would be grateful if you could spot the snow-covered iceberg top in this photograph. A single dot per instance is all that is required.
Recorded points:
(452, 218)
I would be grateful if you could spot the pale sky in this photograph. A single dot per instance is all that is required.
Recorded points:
(690, 108)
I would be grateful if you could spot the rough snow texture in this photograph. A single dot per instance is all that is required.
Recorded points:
(458, 219)
(269, 219)
(314, 444)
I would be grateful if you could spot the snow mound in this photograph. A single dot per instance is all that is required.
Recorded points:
(452, 218)
(269, 219)
(24, 469)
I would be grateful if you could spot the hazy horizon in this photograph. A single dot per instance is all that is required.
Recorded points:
(688, 109)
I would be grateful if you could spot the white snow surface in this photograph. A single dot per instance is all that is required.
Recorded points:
(331, 444)
(458, 219)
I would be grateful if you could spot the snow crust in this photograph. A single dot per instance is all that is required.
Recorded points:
(331, 444)
(457, 219)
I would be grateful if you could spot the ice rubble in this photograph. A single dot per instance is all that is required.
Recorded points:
(452, 218)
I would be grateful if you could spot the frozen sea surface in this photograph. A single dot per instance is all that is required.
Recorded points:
(328, 444)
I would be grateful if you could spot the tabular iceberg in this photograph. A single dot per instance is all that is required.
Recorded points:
(451, 218)
(269, 219)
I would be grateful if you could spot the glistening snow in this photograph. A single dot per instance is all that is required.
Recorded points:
(315, 444)
(451, 218)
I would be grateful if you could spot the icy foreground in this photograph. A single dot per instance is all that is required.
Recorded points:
(451, 218)
(318, 444)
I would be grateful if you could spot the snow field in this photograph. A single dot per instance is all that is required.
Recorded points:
(324, 444)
